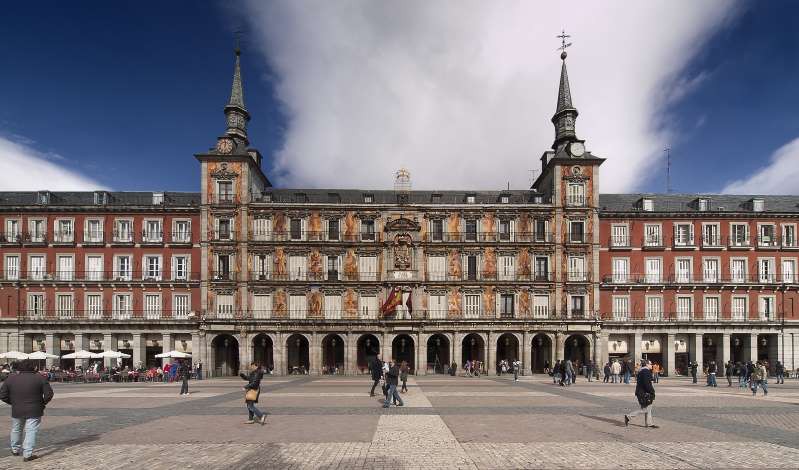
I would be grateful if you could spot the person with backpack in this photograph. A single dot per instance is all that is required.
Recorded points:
(28, 393)
(645, 394)
(252, 391)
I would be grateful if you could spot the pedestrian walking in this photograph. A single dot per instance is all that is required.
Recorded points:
(200, 370)
(556, 370)
(711, 374)
(568, 373)
(376, 368)
(404, 369)
(779, 369)
(392, 379)
(655, 372)
(589, 370)
(185, 374)
(694, 367)
(729, 371)
(645, 394)
(516, 366)
(28, 393)
(606, 371)
(252, 391)
(616, 368)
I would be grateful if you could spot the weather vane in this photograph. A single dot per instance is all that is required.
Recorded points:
(563, 44)
(237, 33)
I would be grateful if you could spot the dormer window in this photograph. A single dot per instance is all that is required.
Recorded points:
(470, 198)
(267, 197)
(333, 198)
(504, 199)
(648, 205)
(368, 198)
(758, 205)
(100, 198)
(435, 199)
(704, 205)
(43, 197)
(300, 197)
(158, 199)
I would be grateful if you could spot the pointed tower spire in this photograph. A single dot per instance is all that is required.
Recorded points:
(235, 112)
(565, 113)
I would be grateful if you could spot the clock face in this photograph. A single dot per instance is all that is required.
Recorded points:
(224, 145)
(577, 149)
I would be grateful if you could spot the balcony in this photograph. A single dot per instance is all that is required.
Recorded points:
(181, 237)
(103, 314)
(10, 238)
(122, 237)
(738, 241)
(684, 243)
(767, 241)
(66, 237)
(619, 242)
(691, 317)
(652, 242)
(576, 237)
(575, 201)
(500, 277)
(34, 238)
(707, 278)
(224, 276)
(93, 237)
(99, 276)
(578, 276)
(225, 199)
(712, 242)
(223, 235)
(152, 237)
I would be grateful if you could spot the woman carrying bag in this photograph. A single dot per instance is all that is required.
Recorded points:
(251, 393)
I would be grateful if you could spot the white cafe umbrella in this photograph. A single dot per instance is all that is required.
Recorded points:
(41, 355)
(113, 355)
(174, 354)
(13, 355)
(82, 354)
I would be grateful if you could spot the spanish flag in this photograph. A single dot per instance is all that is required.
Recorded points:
(393, 300)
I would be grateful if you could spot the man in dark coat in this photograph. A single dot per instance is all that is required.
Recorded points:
(694, 368)
(184, 373)
(392, 379)
(28, 393)
(377, 373)
(645, 394)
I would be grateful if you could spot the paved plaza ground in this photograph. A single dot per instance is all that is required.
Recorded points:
(448, 422)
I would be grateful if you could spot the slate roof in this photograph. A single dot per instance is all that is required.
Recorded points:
(357, 196)
(86, 198)
(724, 203)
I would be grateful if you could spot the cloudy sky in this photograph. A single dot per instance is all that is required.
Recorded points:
(343, 93)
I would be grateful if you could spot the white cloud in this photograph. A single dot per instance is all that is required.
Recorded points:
(778, 177)
(461, 93)
(22, 168)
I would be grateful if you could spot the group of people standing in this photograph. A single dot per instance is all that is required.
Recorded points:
(389, 375)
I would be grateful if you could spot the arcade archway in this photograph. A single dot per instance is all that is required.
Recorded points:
(297, 347)
(437, 354)
(226, 355)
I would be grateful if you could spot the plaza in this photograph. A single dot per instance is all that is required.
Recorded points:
(447, 422)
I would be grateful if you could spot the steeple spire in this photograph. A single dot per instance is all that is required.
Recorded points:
(565, 113)
(235, 112)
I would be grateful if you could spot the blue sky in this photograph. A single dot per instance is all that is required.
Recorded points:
(122, 96)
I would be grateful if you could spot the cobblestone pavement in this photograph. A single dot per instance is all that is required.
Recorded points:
(447, 422)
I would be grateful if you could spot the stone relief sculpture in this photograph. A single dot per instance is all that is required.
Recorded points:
(524, 263)
(454, 264)
(315, 305)
(280, 304)
(281, 272)
(453, 227)
(489, 302)
(490, 263)
(524, 303)
(350, 227)
(454, 301)
(315, 226)
(402, 253)
(315, 265)
(351, 266)
(350, 304)
(489, 227)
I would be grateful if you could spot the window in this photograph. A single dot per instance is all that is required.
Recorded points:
(36, 267)
(683, 235)
(471, 267)
(123, 268)
(94, 306)
(152, 268)
(123, 233)
(758, 205)
(704, 205)
(297, 306)
(152, 306)
(224, 306)
(470, 199)
(683, 270)
(648, 205)
(368, 198)
(577, 306)
(621, 270)
(224, 191)
(158, 199)
(368, 307)
(297, 268)
(63, 305)
(575, 195)
(507, 268)
(654, 271)
(152, 231)
(295, 229)
(652, 235)
(262, 306)
(621, 307)
(541, 268)
(471, 230)
(261, 229)
(738, 270)
(437, 230)
(94, 268)
(333, 229)
(789, 271)
(182, 231)
(180, 268)
(654, 308)
(36, 306)
(619, 235)
(333, 307)
(739, 235)
(332, 268)
(767, 308)
(712, 308)
(765, 269)
(541, 306)
(710, 235)
(12, 267)
(435, 198)
(368, 268)
(685, 308)
(504, 199)
(66, 268)
(180, 306)
(94, 231)
(223, 229)
(123, 306)
(36, 230)
(577, 269)
(64, 231)
(472, 306)
(739, 308)
(505, 230)
(577, 231)
(223, 267)
(368, 230)
(710, 270)
(437, 306)
(100, 198)
(541, 230)
(767, 235)
(12, 230)
(436, 268)
(506, 302)
(261, 265)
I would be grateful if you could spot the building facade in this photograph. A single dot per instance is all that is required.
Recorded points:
(295, 278)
